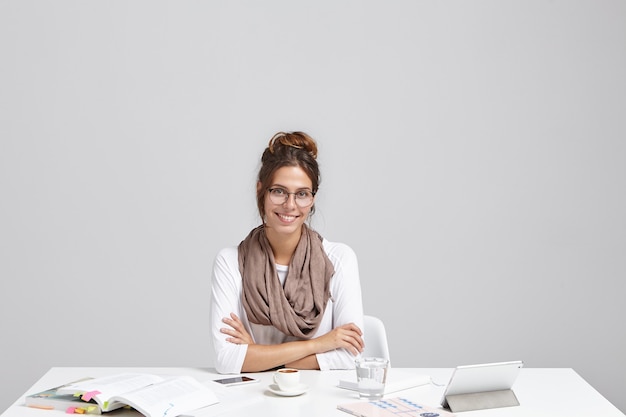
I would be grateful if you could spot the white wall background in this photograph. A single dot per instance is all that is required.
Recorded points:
(473, 154)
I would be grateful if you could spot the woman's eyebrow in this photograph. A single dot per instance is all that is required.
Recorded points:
(287, 188)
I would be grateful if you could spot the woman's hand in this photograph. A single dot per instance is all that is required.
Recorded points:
(237, 331)
(347, 336)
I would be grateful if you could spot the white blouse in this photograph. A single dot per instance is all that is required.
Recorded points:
(345, 306)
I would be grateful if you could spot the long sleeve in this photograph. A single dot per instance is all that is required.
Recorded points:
(347, 305)
(226, 299)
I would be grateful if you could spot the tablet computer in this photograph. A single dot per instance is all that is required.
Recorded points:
(485, 377)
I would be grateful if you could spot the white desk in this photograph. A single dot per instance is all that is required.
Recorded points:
(541, 392)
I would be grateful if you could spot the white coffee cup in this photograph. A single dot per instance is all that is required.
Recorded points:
(287, 379)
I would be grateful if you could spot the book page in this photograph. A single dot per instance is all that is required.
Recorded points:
(170, 397)
(109, 386)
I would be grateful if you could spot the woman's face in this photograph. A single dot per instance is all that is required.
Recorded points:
(287, 218)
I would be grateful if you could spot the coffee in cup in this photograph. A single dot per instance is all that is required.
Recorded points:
(287, 379)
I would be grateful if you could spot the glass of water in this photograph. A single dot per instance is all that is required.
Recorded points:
(371, 375)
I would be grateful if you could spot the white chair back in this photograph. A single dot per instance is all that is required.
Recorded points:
(375, 338)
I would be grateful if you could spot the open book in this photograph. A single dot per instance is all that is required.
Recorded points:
(51, 400)
(151, 395)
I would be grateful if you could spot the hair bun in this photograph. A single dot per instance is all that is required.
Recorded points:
(298, 140)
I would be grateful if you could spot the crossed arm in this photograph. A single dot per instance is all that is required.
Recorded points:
(297, 354)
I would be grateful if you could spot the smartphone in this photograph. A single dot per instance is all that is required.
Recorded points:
(236, 380)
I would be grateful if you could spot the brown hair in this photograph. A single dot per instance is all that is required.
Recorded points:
(287, 149)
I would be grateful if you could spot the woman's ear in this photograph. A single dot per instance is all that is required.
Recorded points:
(258, 186)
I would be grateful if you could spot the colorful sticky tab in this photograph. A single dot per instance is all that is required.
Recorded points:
(77, 410)
(89, 395)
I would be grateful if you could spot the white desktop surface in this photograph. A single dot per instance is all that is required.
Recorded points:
(541, 392)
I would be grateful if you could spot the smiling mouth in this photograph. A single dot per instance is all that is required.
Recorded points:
(286, 218)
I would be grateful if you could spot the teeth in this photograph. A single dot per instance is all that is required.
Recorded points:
(287, 218)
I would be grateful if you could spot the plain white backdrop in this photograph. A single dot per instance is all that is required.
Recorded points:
(473, 154)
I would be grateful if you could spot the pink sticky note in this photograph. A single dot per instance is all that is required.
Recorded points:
(89, 395)
(70, 410)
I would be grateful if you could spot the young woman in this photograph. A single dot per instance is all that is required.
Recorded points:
(286, 296)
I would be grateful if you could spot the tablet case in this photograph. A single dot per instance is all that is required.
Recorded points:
(480, 387)
(481, 400)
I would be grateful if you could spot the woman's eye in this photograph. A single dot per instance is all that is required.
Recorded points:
(302, 194)
(278, 191)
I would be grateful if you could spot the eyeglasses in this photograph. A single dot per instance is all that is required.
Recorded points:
(303, 198)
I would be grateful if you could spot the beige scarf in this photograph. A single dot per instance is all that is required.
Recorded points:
(297, 307)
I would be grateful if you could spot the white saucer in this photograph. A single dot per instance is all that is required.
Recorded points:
(299, 390)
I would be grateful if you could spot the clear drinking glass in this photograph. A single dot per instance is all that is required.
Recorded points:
(371, 375)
